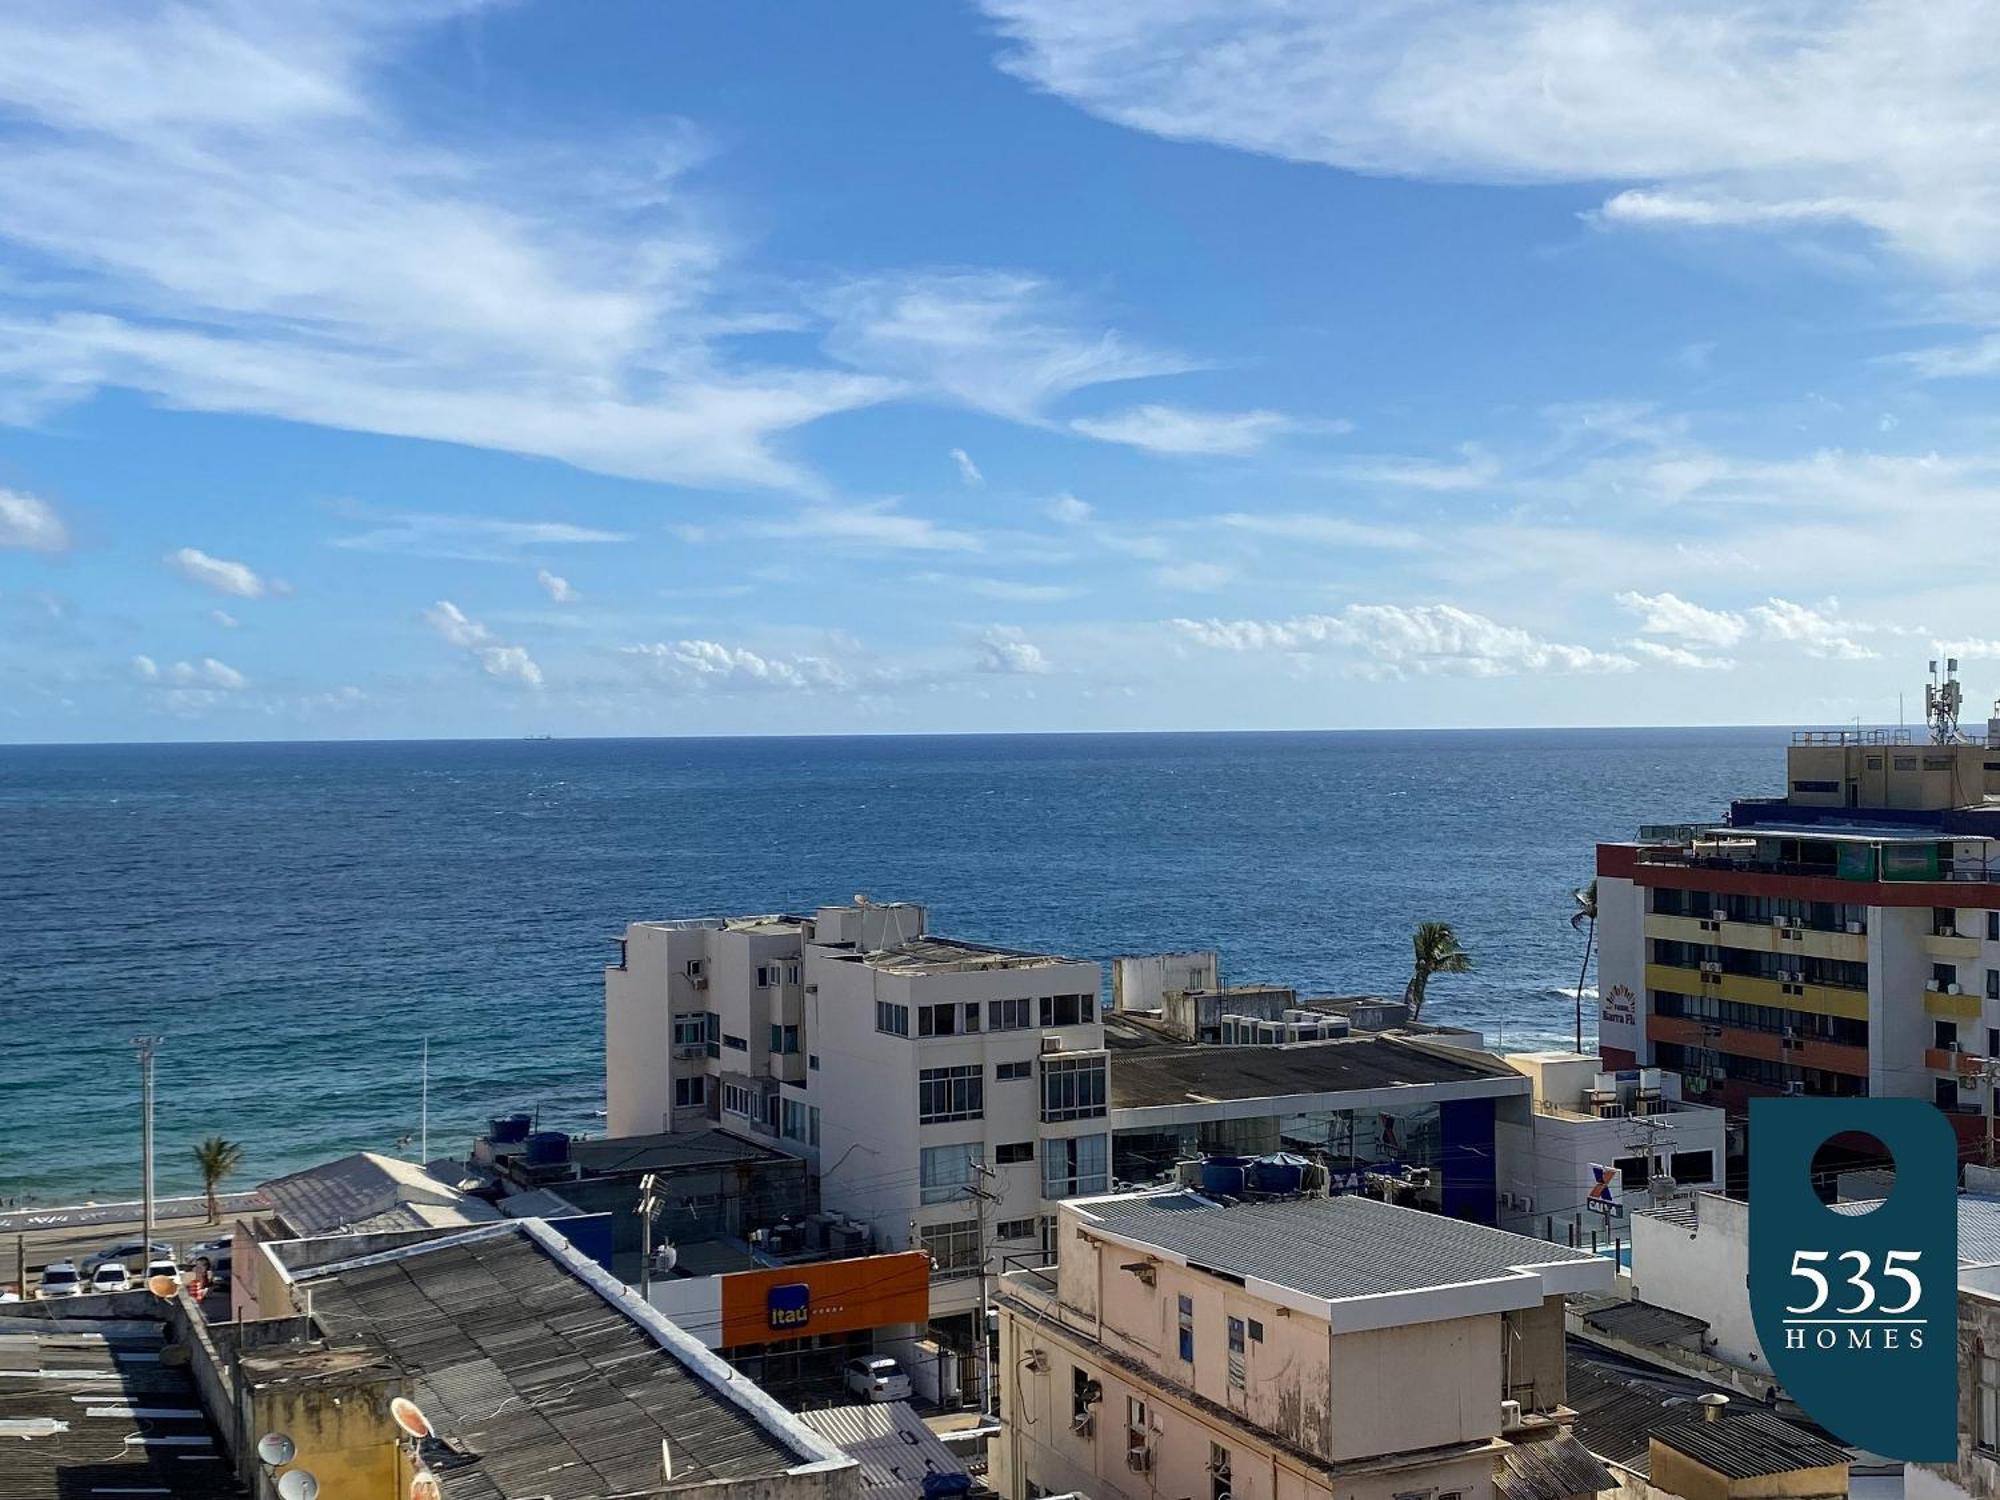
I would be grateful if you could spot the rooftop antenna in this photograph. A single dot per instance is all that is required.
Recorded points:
(1942, 699)
(424, 1119)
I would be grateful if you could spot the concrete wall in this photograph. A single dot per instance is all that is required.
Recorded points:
(1898, 1028)
(1704, 1273)
(1621, 967)
(1144, 982)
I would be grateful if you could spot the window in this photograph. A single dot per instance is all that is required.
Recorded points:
(1815, 786)
(714, 1040)
(736, 1043)
(737, 1100)
(947, 1020)
(1014, 1151)
(946, 1172)
(893, 1019)
(784, 1039)
(1068, 1010)
(1135, 1423)
(1944, 1093)
(1186, 1308)
(812, 1061)
(801, 1122)
(1218, 1472)
(1993, 1041)
(1993, 927)
(1986, 1404)
(690, 1031)
(696, 968)
(1693, 1166)
(1008, 1015)
(1993, 984)
(1008, 1072)
(1237, 1368)
(767, 975)
(953, 1248)
(1944, 921)
(946, 1094)
(1072, 1088)
(1084, 1393)
(792, 973)
(690, 1093)
(1075, 1168)
(1014, 1229)
(1634, 1172)
(1256, 1332)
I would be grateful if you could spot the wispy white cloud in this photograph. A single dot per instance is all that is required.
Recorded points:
(505, 662)
(998, 342)
(1420, 639)
(301, 250)
(1731, 112)
(968, 471)
(1010, 589)
(469, 538)
(1176, 430)
(1200, 577)
(877, 525)
(219, 574)
(1005, 650)
(29, 522)
(1069, 510)
(1474, 469)
(190, 684)
(555, 586)
(1679, 656)
(1323, 530)
(714, 665)
(224, 618)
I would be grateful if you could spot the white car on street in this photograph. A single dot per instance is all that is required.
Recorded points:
(59, 1279)
(878, 1378)
(111, 1277)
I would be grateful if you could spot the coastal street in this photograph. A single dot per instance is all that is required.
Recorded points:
(77, 1216)
(73, 1241)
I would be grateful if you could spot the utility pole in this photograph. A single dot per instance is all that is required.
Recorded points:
(147, 1045)
(982, 1196)
(424, 1119)
(649, 1204)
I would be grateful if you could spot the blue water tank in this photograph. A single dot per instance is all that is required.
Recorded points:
(510, 1130)
(547, 1147)
(1280, 1172)
(1223, 1175)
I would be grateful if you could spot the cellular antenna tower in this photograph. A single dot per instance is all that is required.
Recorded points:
(1942, 700)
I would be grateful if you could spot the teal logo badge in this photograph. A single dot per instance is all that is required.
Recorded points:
(1858, 1312)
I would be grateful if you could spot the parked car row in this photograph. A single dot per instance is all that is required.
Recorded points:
(110, 1269)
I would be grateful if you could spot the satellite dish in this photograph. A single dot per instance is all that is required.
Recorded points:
(297, 1484)
(275, 1449)
(408, 1416)
(424, 1486)
(162, 1287)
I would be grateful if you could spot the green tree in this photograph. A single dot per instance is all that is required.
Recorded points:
(217, 1159)
(1434, 948)
(1584, 919)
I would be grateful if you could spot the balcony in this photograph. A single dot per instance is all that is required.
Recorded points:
(1966, 1067)
(1950, 946)
(1799, 1051)
(1760, 937)
(1944, 1006)
(1775, 994)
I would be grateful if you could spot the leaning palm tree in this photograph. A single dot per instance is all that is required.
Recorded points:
(1435, 949)
(216, 1158)
(1584, 919)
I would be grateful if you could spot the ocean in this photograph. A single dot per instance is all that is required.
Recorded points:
(294, 919)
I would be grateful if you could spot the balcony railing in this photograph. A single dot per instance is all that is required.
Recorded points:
(1699, 859)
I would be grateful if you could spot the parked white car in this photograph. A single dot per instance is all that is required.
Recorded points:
(878, 1378)
(111, 1277)
(164, 1266)
(59, 1279)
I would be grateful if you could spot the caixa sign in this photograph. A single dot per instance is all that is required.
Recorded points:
(789, 1307)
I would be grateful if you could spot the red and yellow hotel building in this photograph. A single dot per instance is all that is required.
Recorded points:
(1841, 940)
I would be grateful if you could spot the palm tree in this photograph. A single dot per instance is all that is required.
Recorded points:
(1435, 950)
(216, 1158)
(1584, 918)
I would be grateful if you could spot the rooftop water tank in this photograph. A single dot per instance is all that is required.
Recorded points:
(1223, 1175)
(1280, 1172)
(510, 1130)
(547, 1147)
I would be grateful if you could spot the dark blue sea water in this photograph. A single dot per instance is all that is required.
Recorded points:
(293, 918)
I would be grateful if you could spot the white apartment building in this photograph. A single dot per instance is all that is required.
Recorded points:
(912, 1070)
(1579, 1118)
(1298, 1349)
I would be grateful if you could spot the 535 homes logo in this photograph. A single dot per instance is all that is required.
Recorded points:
(1856, 1306)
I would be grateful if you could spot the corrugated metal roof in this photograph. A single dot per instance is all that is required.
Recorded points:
(1642, 1323)
(1978, 1226)
(1747, 1442)
(367, 1190)
(891, 1443)
(1328, 1247)
(1555, 1468)
(554, 1389)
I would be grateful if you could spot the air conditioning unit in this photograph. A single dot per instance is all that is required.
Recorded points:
(1795, 1088)
(1780, 921)
(699, 981)
(1856, 928)
(1139, 1457)
(1709, 966)
(1931, 985)
(1951, 989)
(1083, 1424)
(1718, 915)
(1052, 1042)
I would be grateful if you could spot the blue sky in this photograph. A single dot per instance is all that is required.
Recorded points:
(457, 369)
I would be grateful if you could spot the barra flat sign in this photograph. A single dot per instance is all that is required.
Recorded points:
(789, 1307)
